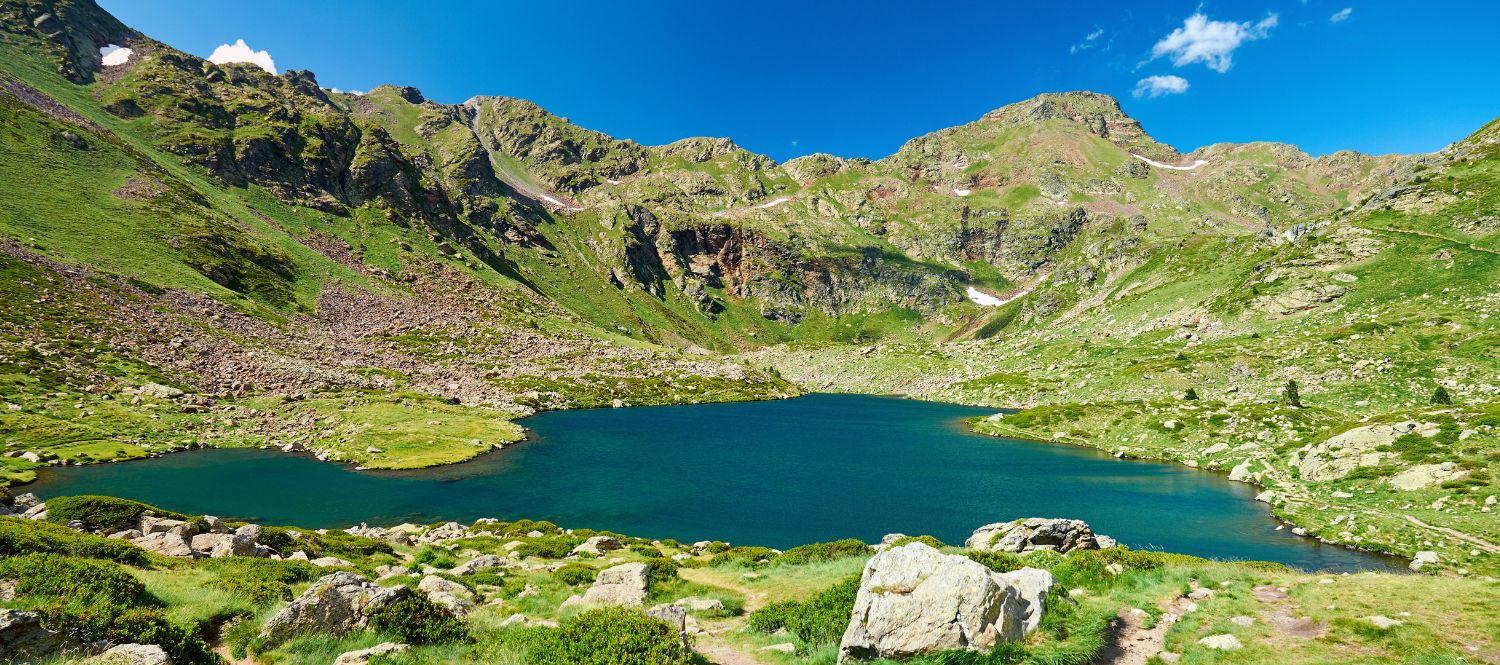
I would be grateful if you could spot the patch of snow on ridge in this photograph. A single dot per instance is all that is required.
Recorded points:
(1160, 165)
(772, 204)
(114, 55)
(986, 300)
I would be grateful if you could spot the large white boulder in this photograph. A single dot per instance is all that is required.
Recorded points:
(336, 604)
(132, 654)
(914, 599)
(624, 584)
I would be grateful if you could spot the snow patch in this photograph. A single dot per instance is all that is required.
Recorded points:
(986, 300)
(115, 55)
(773, 203)
(1160, 165)
(963, 192)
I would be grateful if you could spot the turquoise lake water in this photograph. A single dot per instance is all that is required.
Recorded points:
(777, 474)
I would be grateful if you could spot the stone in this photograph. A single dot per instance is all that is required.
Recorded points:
(1355, 448)
(1384, 622)
(24, 502)
(784, 647)
(478, 563)
(1422, 559)
(700, 604)
(335, 604)
(1033, 585)
(165, 544)
(446, 531)
(598, 545)
(22, 634)
(433, 584)
(160, 391)
(674, 615)
(624, 584)
(331, 562)
(1221, 642)
(363, 656)
(1427, 475)
(132, 654)
(1242, 621)
(1033, 533)
(914, 600)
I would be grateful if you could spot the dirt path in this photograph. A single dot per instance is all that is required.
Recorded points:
(714, 648)
(1134, 643)
(1434, 236)
(1472, 540)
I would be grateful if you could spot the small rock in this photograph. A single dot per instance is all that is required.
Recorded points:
(363, 656)
(1221, 642)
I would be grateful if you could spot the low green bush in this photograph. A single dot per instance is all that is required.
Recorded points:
(417, 620)
(925, 540)
(1000, 562)
(437, 558)
(646, 550)
(660, 571)
(71, 577)
(575, 574)
(548, 547)
(837, 549)
(607, 636)
(519, 528)
(261, 581)
(332, 543)
(820, 619)
(103, 513)
(18, 536)
(745, 555)
(123, 624)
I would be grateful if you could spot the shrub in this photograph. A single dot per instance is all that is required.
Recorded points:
(821, 619)
(261, 581)
(121, 624)
(660, 571)
(331, 543)
(417, 620)
(1291, 395)
(607, 636)
(103, 513)
(837, 549)
(1441, 396)
(647, 551)
(18, 536)
(746, 555)
(925, 540)
(1000, 562)
(575, 574)
(70, 577)
(436, 558)
(548, 547)
(1190, 394)
(519, 528)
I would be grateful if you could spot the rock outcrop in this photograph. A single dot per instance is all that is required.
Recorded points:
(624, 585)
(914, 599)
(132, 654)
(363, 656)
(1035, 533)
(22, 635)
(336, 604)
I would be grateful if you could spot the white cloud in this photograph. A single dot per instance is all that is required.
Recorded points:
(1341, 15)
(1210, 42)
(1089, 41)
(1156, 86)
(241, 52)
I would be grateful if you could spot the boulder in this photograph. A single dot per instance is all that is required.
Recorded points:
(331, 562)
(914, 600)
(165, 544)
(363, 656)
(1350, 450)
(335, 604)
(1221, 642)
(1422, 559)
(1033, 584)
(132, 654)
(447, 531)
(478, 563)
(674, 615)
(22, 635)
(1033, 533)
(700, 604)
(452, 595)
(624, 584)
(598, 545)
(1427, 475)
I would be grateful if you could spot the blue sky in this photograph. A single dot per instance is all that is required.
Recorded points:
(860, 78)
